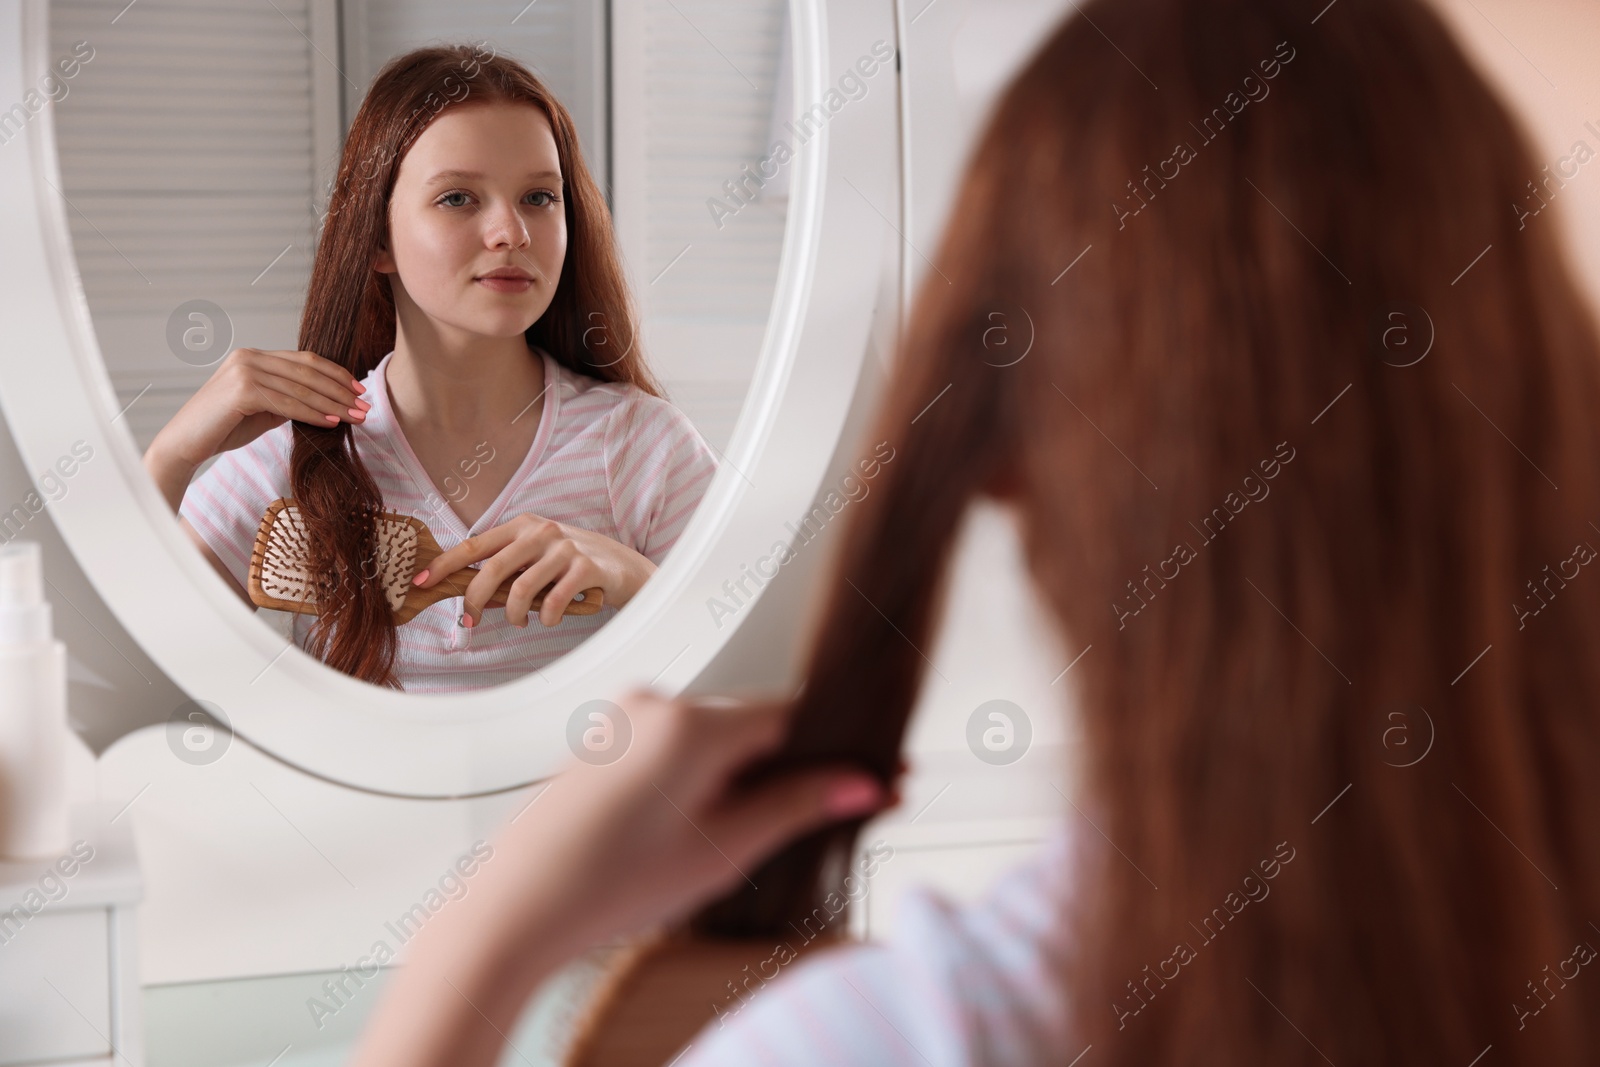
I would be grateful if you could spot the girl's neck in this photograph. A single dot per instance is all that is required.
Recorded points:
(460, 390)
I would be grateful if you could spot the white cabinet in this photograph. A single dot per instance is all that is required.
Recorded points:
(69, 986)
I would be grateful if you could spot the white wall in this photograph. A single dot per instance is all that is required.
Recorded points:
(1540, 56)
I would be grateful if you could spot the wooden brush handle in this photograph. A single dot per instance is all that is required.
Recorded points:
(456, 585)
(453, 585)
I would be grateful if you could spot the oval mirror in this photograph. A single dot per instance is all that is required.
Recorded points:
(178, 161)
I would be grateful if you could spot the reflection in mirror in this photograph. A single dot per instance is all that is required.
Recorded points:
(284, 238)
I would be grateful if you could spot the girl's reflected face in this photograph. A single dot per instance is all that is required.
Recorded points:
(479, 190)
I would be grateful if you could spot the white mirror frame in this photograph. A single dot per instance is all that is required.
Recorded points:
(55, 392)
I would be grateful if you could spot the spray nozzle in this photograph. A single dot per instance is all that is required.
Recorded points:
(24, 614)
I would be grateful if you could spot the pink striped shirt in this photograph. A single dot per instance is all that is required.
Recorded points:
(978, 984)
(607, 457)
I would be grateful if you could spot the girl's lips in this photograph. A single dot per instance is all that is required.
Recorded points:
(506, 285)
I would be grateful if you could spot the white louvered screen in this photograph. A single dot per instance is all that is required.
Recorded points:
(710, 72)
(187, 162)
(562, 41)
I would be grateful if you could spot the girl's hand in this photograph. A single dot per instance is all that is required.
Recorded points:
(256, 390)
(617, 849)
(645, 836)
(573, 558)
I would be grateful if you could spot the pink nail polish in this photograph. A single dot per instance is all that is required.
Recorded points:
(365, 405)
(467, 621)
(357, 413)
(331, 418)
(851, 797)
(421, 577)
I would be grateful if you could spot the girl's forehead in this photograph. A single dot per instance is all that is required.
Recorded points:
(496, 139)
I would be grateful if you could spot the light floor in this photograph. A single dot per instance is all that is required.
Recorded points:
(266, 1022)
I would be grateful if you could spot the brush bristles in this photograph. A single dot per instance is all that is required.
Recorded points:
(285, 564)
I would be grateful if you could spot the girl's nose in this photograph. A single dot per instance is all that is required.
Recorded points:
(507, 228)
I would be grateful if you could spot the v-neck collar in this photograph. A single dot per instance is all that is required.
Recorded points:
(387, 424)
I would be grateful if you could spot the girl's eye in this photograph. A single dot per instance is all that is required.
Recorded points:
(548, 198)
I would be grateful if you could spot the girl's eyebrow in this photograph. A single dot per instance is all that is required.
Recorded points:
(468, 175)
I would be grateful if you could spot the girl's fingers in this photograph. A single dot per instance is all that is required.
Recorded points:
(517, 555)
(757, 822)
(313, 390)
(326, 372)
(711, 740)
(745, 728)
(290, 406)
(473, 549)
(305, 400)
(576, 579)
(539, 574)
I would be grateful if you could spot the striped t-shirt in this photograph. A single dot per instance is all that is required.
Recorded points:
(607, 457)
(954, 986)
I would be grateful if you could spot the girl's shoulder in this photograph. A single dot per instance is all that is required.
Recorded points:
(956, 983)
(574, 383)
(263, 461)
(628, 409)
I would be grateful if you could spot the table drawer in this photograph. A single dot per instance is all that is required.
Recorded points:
(55, 987)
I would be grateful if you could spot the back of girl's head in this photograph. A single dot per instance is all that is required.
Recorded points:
(1303, 454)
(349, 317)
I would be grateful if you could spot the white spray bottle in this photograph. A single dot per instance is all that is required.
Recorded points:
(33, 712)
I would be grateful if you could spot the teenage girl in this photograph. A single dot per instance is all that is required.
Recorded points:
(468, 355)
(1337, 799)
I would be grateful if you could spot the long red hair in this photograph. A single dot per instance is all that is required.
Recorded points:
(1281, 524)
(349, 318)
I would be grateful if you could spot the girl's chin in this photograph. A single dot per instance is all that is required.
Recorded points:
(507, 325)
(488, 314)
(503, 318)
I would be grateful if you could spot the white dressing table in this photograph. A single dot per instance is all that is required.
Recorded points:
(69, 969)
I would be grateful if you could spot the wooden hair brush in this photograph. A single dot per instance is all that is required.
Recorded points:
(281, 578)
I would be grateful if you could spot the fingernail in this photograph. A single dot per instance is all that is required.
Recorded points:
(357, 386)
(365, 405)
(421, 577)
(851, 796)
(357, 413)
(466, 620)
(331, 418)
